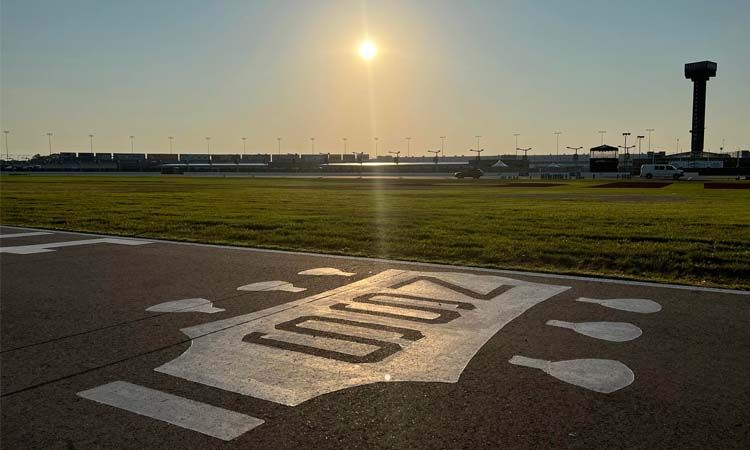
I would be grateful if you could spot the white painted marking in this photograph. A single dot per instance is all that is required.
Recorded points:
(607, 331)
(271, 286)
(190, 414)
(598, 375)
(637, 305)
(43, 248)
(287, 354)
(433, 265)
(18, 235)
(187, 305)
(326, 271)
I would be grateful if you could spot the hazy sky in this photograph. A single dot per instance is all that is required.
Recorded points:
(262, 69)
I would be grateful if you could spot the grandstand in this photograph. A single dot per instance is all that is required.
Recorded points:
(602, 159)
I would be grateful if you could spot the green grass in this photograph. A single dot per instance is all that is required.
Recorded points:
(681, 233)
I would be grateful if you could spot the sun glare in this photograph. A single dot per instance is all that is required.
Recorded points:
(368, 50)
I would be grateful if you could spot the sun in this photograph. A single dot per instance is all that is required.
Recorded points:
(368, 50)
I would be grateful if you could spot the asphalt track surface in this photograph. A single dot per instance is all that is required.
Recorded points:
(374, 354)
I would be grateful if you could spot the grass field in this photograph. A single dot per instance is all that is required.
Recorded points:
(680, 233)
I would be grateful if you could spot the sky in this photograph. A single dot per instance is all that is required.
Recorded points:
(290, 68)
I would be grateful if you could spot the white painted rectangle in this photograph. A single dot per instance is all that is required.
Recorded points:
(190, 414)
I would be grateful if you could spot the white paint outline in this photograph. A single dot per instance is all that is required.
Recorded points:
(220, 355)
(684, 287)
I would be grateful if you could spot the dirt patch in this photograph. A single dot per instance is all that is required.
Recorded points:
(528, 185)
(634, 184)
(726, 185)
(601, 198)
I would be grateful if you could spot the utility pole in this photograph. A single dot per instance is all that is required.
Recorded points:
(312, 145)
(344, 139)
(395, 153)
(478, 138)
(602, 133)
(478, 151)
(515, 135)
(442, 146)
(244, 139)
(408, 146)
(49, 141)
(557, 136)
(132, 145)
(91, 143)
(525, 152)
(278, 139)
(171, 139)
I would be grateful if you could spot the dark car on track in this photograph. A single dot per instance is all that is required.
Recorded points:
(470, 172)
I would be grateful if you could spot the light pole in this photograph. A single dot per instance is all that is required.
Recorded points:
(359, 158)
(376, 146)
(478, 151)
(312, 145)
(132, 145)
(244, 148)
(278, 139)
(344, 139)
(640, 138)
(396, 157)
(442, 146)
(7, 152)
(602, 133)
(515, 135)
(49, 141)
(408, 146)
(91, 143)
(525, 152)
(171, 140)
(478, 138)
(436, 152)
(627, 150)
(649, 130)
(575, 149)
(557, 135)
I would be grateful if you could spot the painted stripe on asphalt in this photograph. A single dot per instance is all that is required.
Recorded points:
(190, 414)
(44, 248)
(17, 235)
(422, 264)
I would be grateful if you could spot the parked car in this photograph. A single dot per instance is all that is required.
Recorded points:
(469, 172)
(660, 171)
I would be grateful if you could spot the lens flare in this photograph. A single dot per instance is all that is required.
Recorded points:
(368, 50)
